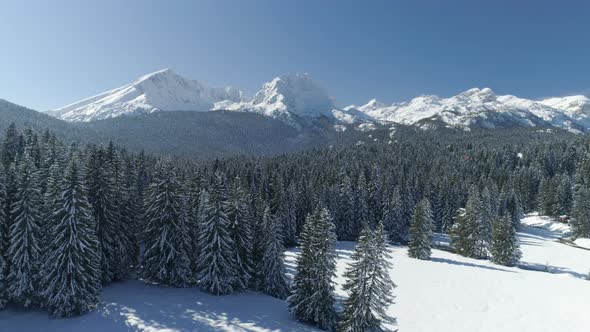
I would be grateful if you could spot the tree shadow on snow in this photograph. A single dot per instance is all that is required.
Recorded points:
(550, 269)
(158, 308)
(454, 262)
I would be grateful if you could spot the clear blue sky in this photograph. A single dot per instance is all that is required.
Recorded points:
(56, 52)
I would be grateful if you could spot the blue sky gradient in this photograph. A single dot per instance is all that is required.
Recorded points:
(56, 52)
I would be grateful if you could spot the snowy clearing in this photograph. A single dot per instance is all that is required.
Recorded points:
(449, 293)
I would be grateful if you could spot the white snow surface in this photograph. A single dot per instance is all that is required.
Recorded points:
(163, 90)
(448, 293)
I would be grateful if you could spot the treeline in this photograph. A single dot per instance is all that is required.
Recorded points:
(77, 218)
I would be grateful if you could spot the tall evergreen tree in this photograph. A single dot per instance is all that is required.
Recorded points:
(510, 205)
(505, 247)
(240, 229)
(217, 273)
(420, 243)
(166, 257)
(71, 282)
(312, 298)
(272, 266)
(392, 217)
(102, 197)
(11, 146)
(288, 215)
(345, 214)
(581, 213)
(361, 218)
(24, 252)
(4, 242)
(369, 284)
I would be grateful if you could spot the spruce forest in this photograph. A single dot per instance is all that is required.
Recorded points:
(76, 218)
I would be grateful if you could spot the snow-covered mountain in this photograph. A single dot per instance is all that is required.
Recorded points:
(163, 90)
(482, 108)
(293, 97)
(296, 98)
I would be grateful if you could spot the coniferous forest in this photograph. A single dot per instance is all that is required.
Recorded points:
(75, 218)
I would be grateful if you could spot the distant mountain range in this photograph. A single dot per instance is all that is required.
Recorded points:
(296, 99)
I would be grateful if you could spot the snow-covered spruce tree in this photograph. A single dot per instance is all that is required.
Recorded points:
(272, 267)
(467, 236)
(195, 192)
(71, 279)
(420, 243)
(241, 234)
(564, 195)
(581, 213)
(505, 248)
(461, 234)
(166, 257)
(368, 283)
(124, 242)
(3, 242)
(217, 258)
(510, 205)
(102, 198)
(408, 202)
(24, 251)
(11, 146)
(288, 215)
(345, 213)
(312, 299)
(488, 213)
(392, 217)
(361, 216)
(375, 197)
(483, 227)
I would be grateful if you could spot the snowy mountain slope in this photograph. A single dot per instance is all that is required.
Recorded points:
(447, 293)
(163, 90)
(474, 107)
(572, 104)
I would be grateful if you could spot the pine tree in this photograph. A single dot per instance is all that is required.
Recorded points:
(24, 252)
(312, 298)
(272, 267)
(369, 284)
(420, 242)
(217, 273)
(4, 244)
(71, 279)
(241, 234)
(166, 257)
(505, 249)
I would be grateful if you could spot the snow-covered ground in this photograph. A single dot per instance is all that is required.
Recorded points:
(547, 292)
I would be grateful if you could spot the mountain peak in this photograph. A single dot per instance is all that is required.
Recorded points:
(163, 90)
(159, 73)
(296, 94)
